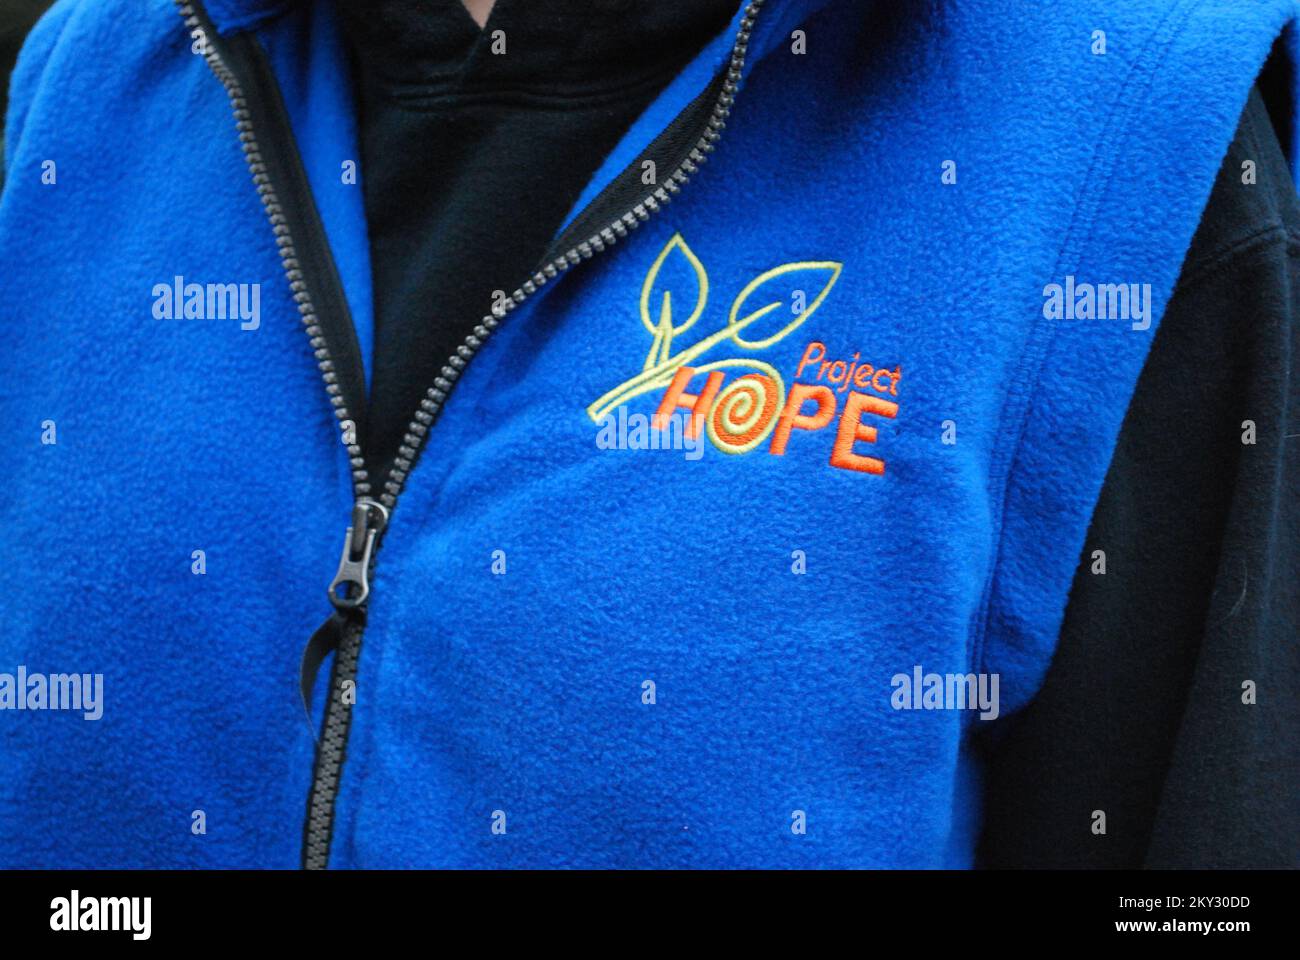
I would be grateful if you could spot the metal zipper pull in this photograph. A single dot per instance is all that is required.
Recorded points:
(368, 519)
(348, 592)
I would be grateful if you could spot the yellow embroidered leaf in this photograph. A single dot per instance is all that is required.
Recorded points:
(770, 291)
(656, 300)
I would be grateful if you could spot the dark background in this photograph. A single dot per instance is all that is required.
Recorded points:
(16, 18)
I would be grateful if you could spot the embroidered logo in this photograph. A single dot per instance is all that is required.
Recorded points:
(756, 407)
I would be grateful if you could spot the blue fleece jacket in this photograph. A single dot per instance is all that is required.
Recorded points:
(892, 297)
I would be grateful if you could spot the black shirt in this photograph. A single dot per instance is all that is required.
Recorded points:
(475, 144)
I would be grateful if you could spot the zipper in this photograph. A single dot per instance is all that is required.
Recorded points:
(589, 234)
(350, 587)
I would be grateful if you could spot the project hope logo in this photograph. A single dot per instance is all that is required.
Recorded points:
(75, 913)
(757, 409)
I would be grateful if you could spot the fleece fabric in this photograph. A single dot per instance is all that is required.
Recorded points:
(581, 652)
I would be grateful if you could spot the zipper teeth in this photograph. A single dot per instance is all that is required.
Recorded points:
(318, 829)
(283, 241)
(436, 397)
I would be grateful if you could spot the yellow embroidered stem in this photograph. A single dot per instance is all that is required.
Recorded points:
(663, 341)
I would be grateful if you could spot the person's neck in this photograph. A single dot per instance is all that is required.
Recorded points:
(479, 10)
